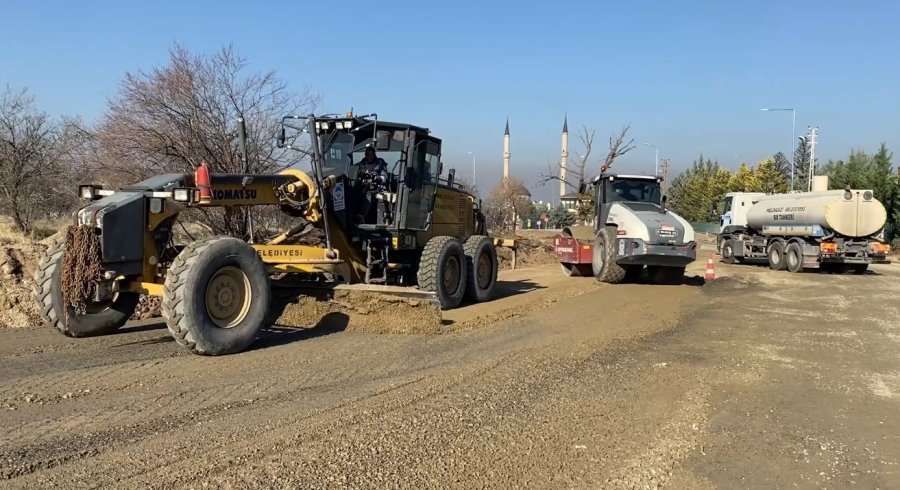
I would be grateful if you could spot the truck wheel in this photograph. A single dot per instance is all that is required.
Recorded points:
(442, 270)
(99, 318)
(481, 268)
(793, 257)
(728, 252)
(665, 275)
(216, 296)
(776, 256)
(859, 269)
(604, 263)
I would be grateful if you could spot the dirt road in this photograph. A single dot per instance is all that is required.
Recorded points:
(760, 380)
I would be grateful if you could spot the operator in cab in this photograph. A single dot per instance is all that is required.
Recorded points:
(373, 176)
(371, 163)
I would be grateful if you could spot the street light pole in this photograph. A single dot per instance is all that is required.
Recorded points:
(656, 168)
(793, 139)
(473, 166)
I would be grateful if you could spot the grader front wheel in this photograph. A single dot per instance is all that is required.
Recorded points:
(216, 296)
(99, 318)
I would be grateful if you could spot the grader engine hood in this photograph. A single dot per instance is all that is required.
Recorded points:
(121, 219)
(646, 222)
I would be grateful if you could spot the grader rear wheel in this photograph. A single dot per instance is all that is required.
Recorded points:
(216, 296)
(99, 318)
(481, 265)
(442, 270)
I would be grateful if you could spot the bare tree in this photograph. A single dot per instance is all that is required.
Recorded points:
(507, 203)
(617, 147)
(173, 118)
(35, 175)
(176, 117)
(575, 168)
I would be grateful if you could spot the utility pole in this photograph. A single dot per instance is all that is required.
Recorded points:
(664, 167)
(813, 135)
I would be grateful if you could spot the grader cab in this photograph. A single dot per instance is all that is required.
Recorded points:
(391, 225)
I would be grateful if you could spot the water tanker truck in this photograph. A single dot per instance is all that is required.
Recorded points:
(836, 230)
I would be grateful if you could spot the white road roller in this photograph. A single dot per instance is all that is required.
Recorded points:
(632, 230)
(836, 230)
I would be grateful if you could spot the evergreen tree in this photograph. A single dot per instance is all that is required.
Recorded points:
(783, 165)
(560, 217)
(695, 192)
(801, 164)
(767, 178)
(742, 180)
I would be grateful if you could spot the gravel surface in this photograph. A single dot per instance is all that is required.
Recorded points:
(759, 380)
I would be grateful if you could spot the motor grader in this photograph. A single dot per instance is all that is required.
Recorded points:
(404, 231)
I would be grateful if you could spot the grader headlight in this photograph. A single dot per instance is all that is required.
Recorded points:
(89, 191)
(183, 194)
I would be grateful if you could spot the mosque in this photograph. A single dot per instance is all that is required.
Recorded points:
(568, 199)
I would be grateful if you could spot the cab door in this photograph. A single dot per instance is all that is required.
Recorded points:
(421, 179)
(727, 214)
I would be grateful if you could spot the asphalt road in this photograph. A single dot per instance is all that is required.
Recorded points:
(760, 380)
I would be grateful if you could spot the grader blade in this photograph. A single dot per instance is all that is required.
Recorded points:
(358, 307)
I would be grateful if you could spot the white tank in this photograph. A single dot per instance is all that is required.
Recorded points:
(851, 213)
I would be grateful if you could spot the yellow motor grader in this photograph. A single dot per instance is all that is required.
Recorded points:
(402, 230)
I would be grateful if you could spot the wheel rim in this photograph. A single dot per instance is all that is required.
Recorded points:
(776, 256)
(598, 255)
(483, 271)
(451, 275)
(726, 252)
(228, 297)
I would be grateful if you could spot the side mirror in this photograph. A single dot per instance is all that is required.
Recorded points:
(281, 138)
(582, 188)
(451, 175)
(440, 170)
(382, 140)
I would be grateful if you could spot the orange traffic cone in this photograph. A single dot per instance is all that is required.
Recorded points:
(710, 270)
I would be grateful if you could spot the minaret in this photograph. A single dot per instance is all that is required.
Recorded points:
(564, 157)
(506, 151)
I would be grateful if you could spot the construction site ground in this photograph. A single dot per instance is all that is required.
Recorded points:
(758, 379)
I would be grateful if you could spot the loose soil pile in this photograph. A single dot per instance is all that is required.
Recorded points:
(530, 252)
(17, 266)
(357, 311)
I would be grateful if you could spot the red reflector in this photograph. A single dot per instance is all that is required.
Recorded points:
(621, 232)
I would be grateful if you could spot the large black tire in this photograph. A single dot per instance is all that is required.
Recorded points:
(217, 296)
(728, 252)
(481, 268)
(442, 270)
(793, 257)
(604, 264)
(859, 269)
(665, 275)
(100, 318)
(776, 256)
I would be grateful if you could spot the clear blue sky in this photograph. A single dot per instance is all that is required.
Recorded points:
(689, 76)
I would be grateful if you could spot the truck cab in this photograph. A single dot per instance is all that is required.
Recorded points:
(733, 210)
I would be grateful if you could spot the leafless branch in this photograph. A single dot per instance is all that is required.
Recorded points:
(617, 147)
